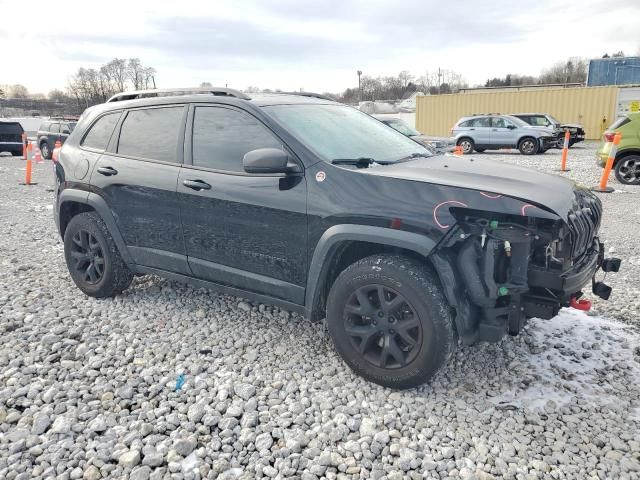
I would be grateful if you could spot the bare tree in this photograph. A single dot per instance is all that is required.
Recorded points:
(116, 72)
(17, 91)
(573, 70)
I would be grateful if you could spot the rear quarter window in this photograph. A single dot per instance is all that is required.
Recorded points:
(100, 132)
(11, 128)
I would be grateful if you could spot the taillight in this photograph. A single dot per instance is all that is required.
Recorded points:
(608, 136)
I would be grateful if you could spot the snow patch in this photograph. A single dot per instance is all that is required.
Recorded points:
(572, 356)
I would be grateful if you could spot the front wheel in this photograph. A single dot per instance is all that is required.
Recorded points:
(528, 146)
(93, 259)
(628, 170)
(390, 322)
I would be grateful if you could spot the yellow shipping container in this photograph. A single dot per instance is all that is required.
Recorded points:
(593, 107)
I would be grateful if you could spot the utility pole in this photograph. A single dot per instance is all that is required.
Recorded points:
(439, 81)
(359, 87)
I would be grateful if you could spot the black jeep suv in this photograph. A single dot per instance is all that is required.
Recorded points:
(298, 201)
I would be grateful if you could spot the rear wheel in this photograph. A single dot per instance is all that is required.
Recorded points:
(466, 144)
(93, 259)
(528, 146)
(628, 170)
(45, 151)
(390, 321)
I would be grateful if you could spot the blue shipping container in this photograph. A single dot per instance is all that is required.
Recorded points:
(614, 71)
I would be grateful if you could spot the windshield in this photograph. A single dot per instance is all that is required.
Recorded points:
(553, 120)
(402, 127)
(342, 132)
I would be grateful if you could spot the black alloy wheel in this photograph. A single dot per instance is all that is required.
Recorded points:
(88, 256)
(383, 326)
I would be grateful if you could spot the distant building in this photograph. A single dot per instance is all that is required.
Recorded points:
(614, 71)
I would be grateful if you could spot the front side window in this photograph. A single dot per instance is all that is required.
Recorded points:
(342, 132)
(222, 137)
(151, 133)
(501, 123)
(100, 132)
(55, 128)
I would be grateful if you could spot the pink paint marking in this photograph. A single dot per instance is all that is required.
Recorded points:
(524, 207)
(488, 195)
(435, 210)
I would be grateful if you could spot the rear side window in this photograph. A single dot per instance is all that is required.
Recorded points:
(55, 128)
(45, 127)
(11, 128)
(151, 133)
(621, 122)
(481, 122)
(221, 138)
(100, 133)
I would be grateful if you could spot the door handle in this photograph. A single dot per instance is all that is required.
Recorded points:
(196, 185)
(108, 171)
(472, 129)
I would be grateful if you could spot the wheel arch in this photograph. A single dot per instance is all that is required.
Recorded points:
(72, 202)
(625, 153)
(342, 245)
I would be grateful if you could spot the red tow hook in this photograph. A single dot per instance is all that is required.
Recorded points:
(582, 304)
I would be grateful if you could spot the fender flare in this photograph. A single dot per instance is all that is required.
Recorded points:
(96, 202)
(337, 234)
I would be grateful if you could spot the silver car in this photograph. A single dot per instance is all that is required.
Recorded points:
(493, 132)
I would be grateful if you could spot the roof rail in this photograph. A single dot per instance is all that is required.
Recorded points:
(308, 94)
(169, 92)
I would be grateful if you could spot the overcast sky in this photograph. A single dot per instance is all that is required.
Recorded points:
(317, 46)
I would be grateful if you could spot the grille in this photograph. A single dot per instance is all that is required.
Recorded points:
(583, 222)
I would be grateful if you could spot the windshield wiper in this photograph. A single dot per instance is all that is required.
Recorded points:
(360, 162)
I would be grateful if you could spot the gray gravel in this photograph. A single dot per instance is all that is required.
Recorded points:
(87, 387)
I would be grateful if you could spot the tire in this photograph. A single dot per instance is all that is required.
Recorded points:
(627, 170)
(480, 150)
(87, 240)
(45, 150)
(467, 145)
(401, 345)
(17, 153)
(528, 146)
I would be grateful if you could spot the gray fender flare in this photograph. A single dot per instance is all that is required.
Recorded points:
(333, 236)
(100, 206)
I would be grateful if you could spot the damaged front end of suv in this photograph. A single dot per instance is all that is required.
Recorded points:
(504, 264)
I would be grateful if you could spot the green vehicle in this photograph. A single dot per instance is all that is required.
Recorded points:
(627, 161)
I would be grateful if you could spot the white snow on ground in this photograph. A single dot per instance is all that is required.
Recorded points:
(568, 355)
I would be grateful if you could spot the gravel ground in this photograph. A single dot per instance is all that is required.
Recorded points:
(88, 387)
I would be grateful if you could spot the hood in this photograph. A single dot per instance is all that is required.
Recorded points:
(571, 125)
(551, 192)
(546, 130)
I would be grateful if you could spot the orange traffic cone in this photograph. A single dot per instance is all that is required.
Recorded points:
(37, 155)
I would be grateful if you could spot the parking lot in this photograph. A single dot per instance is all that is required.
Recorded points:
(169, 379)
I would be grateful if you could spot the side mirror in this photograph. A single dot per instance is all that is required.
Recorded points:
(511, 127)
(66, 132)
(266, 160)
